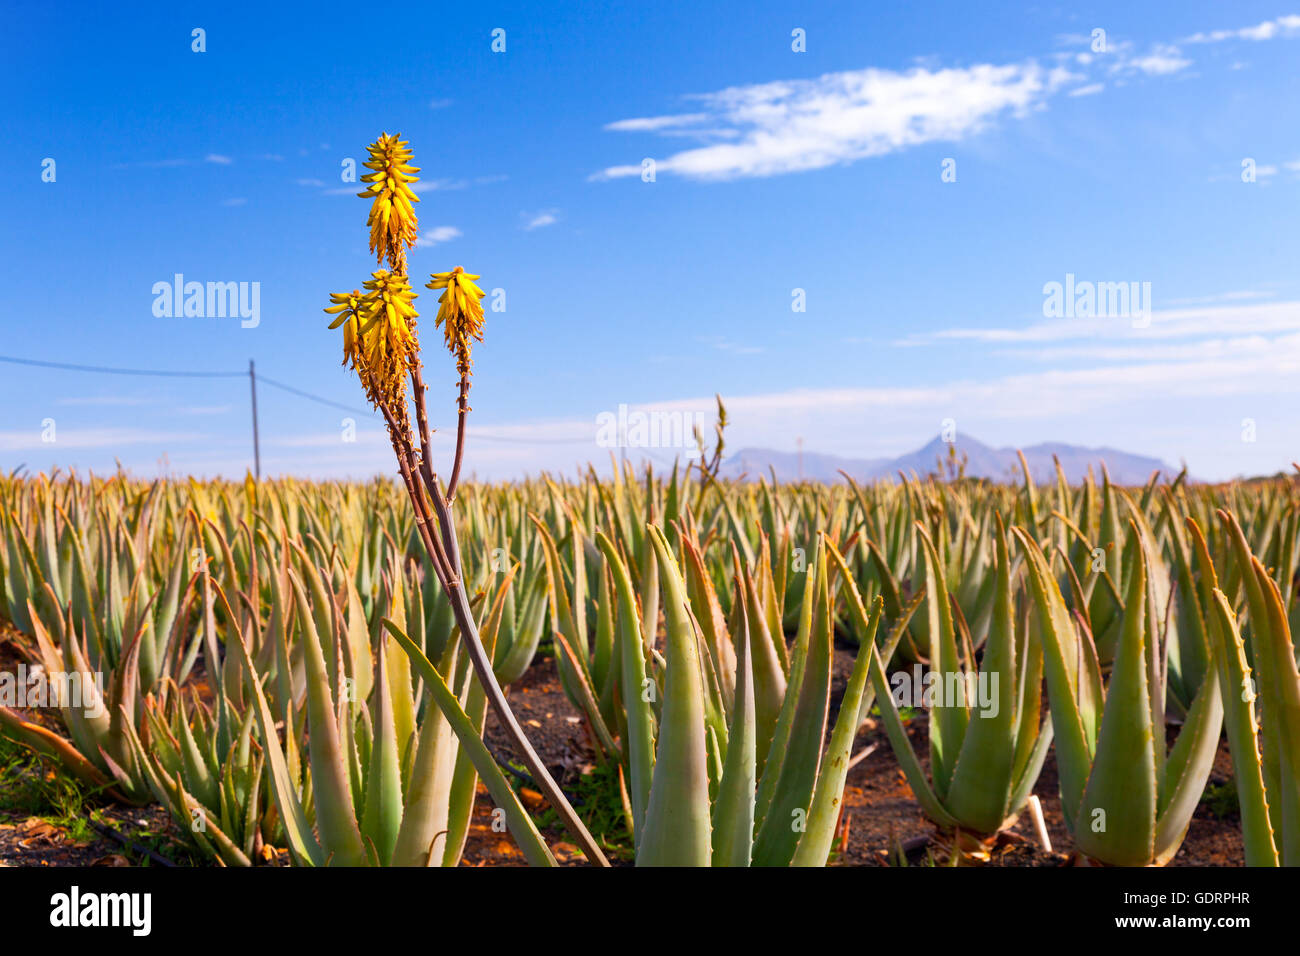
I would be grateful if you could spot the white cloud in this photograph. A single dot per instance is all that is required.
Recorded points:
(796, 125)
(653, 124)
(429, 185)
(1234, 320)
(237, 201)
(1283, 26)
(437, 235)
(1135, 399)
(98, 400)
(218, 159)
(1237, 295)
(537, 220)
(311, 182)
(74, 439)
(1161, 61)
(786, 126)
(439, 104)
(733, 348)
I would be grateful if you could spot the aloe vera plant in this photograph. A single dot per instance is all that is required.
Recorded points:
(1265, 756)
(987, 746)
(1126, 799)
(725, 784)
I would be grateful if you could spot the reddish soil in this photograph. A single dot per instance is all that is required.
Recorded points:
(880, 813)
(879, 807)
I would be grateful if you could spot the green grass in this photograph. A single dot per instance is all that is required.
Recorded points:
(31, 786)
(1221, 799)
(597, 798)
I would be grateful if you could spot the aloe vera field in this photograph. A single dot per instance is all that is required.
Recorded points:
(285, 673)
(347, 565)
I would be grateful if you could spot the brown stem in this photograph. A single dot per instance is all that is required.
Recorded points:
(423, 519)
(463, 402)
(497, 698)
(459, 600)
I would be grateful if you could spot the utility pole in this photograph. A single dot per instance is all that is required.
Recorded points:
(257, 451)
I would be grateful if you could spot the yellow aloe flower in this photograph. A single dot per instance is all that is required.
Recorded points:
(392, 221)
(379, 338)
(460, 313)
(347, 306)
(388, 343)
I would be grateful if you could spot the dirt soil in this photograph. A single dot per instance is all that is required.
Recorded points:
(880, 813)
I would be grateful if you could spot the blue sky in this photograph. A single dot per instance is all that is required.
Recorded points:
(775, 170)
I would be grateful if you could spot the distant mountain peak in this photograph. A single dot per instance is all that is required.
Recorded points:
(982, 461)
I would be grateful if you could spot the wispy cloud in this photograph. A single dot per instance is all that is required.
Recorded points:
(788, 126)
(76, 439)
(311, 182)
(1281, 27)
(103, 400)
(439, 104)
(218, 159)
(436, 236)
(796, 125)
(654, 124)
(236, 201)
(733, 348)
(1222, 320)
(1236, 295)
(430, 185)
(1161, 61)
(153, 164)
(537, 220)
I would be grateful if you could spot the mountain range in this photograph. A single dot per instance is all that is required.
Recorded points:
(982, 461)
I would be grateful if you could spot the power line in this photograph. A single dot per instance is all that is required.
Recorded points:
(474, 432)
(118, 371)
(315, 398)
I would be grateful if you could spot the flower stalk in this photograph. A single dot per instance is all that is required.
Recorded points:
(381, 345)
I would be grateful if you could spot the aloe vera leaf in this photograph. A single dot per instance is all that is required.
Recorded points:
(381, 815)
(639, 746)
(902, 747)
(335, 813)
(733, 811)
(677, 826)
(979, 796)
(1243, 734)
(1116, 823)
(778, 835)
(303, 845)
(948, 719)
(520, 823)
(815, 845)
(1060, 643)
(1188, 768)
